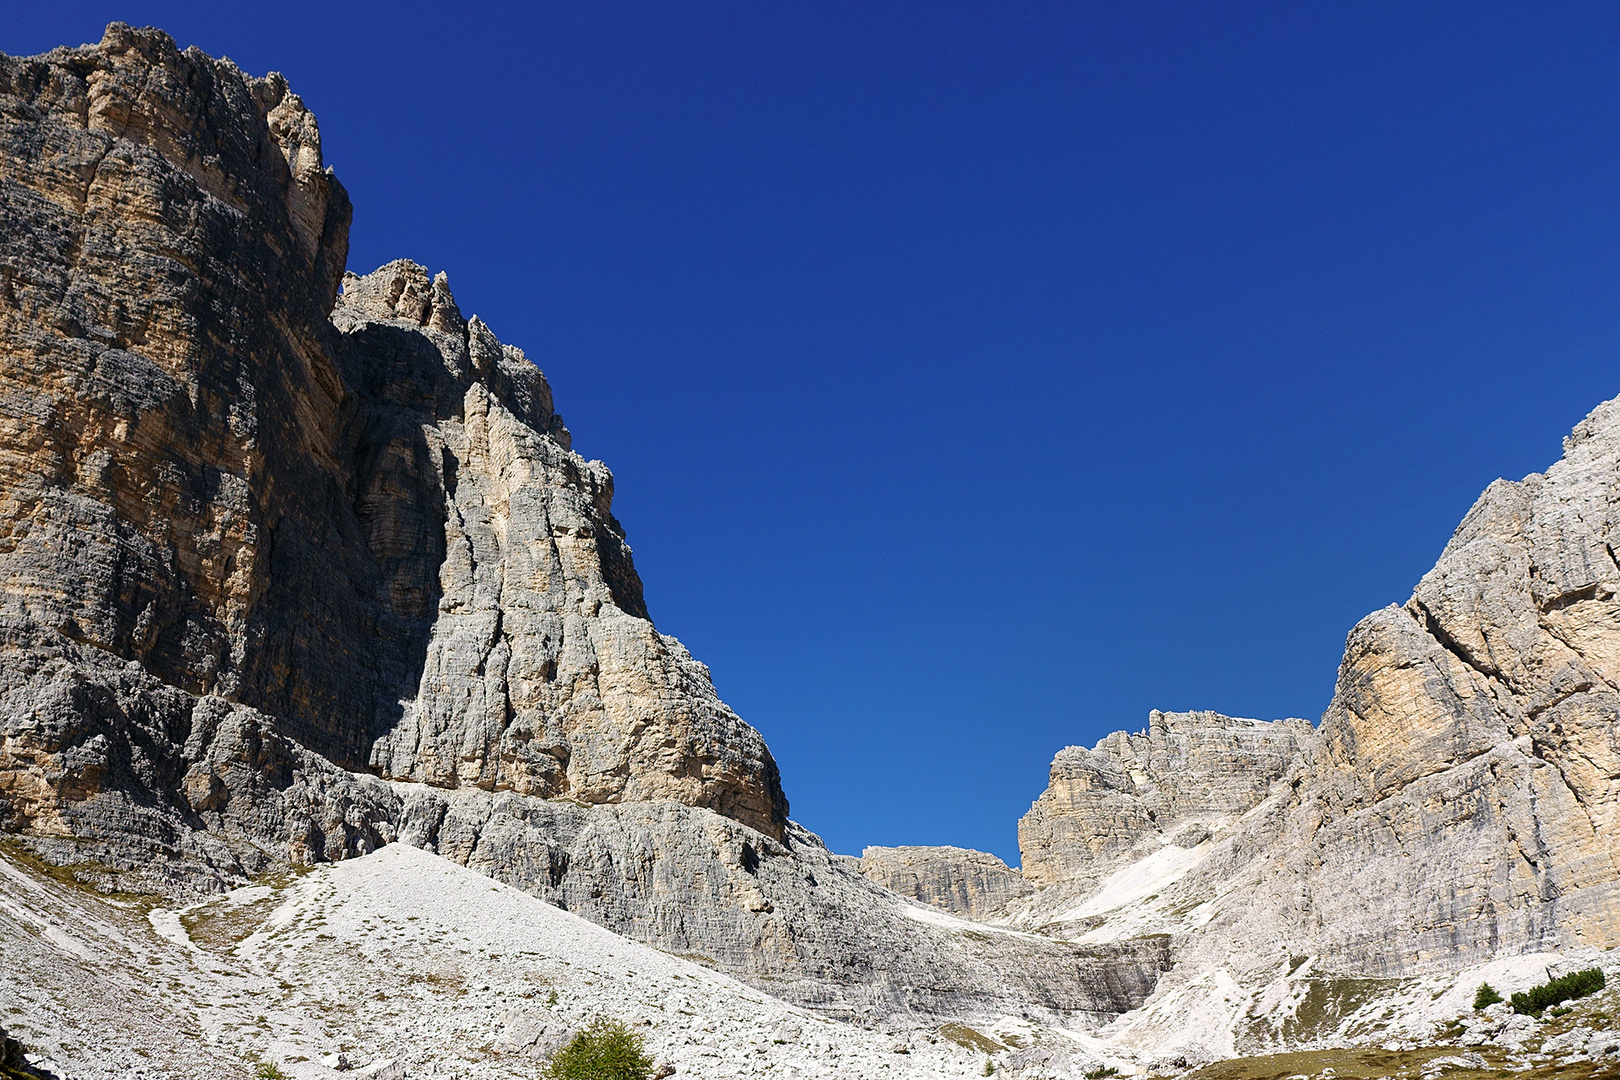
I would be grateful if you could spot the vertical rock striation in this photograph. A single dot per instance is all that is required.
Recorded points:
(296, 564)
(1471, 753)
(1458, 801)
(515, 612)
(362, 538)
(170, 453)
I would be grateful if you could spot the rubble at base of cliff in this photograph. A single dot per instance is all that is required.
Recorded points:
(402, 964)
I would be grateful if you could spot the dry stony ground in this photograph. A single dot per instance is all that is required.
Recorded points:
(408, 965)
(1426, 1029)
(404, 963)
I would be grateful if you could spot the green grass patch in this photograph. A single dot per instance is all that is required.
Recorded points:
(964, 1036)
(219, 925)
(1326, 1003)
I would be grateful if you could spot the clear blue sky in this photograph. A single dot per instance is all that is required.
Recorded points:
(980, 377)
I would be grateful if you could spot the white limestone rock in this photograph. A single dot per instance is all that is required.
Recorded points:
(970, 883)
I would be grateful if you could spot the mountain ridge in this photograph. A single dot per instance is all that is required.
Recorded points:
(300, 564)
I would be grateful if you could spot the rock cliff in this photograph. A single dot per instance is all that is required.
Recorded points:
(369, 527)
(296, 564)
(1134, 793)
(970, 883)
(1457, 802)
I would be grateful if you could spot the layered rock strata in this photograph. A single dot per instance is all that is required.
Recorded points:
(296, 564)
(970, 883)
(1458, 801)
(1170, 784)
(369, 528)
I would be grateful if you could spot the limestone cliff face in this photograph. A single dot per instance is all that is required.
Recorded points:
(971, 883)
(1133, 793)
(521, 618)
(1471, 754)
(295, 564)
(367, 532)
(1458, 801)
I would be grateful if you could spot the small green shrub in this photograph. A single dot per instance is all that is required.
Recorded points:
(1098, 1074)
(989, 1068)
(604, 1050)
(1485, 996)
(270, 1072)
(1565, 988)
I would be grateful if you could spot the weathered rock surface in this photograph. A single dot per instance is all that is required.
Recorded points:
(370, 529)
(395, 965)
(296, 564)
(1134, 793)
(789, 916)
(1457, 803)
(970, 883)
(536, 668)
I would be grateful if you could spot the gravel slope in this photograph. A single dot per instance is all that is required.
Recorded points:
(403, 962)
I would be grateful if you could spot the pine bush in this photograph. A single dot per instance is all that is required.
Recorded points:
(604, 1050)
(1565, 988)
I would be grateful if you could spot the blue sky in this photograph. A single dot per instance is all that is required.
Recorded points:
(978, 377)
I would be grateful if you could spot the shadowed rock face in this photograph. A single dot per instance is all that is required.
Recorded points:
(518, 621)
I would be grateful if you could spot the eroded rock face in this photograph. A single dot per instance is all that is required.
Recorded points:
(1474, 734)
(970, 883)
(367, 531)
(1457, 803)
(1133, 793)
(788, 916)
(521, 616)
(296, 564)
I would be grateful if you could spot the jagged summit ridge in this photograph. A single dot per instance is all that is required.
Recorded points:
(540, 671)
